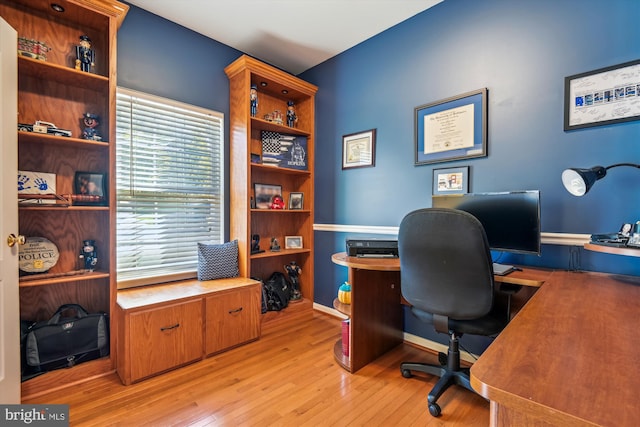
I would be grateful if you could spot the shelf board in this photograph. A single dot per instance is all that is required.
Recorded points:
(340, 357)
(276, 169)
(261, 124)
(64, 75)
(45, 280)
(342, 308)
(282, 252)
(24, 137)
(281, 211)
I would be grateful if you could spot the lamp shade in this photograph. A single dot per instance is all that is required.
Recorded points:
(579, 181)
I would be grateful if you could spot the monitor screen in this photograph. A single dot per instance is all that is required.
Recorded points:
(511, 220)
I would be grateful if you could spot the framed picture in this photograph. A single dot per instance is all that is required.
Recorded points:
(451, 129)
(451, 181)
(359, 149)
(604, 96)
(293, 242)
(296, 201)
(90, 188)
(264, 195)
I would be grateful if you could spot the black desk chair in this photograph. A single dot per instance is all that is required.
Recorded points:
(447, 276)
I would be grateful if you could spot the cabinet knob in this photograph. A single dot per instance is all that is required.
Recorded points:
(12, 240)
(167, 328)
(237, 310)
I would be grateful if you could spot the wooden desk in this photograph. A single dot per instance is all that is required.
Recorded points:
(570, 357)
(376, 312)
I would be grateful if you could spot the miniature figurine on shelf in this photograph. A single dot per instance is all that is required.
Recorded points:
(85, 56)
(275, 246)
(277, 202)
(255, 244)
(292, 119)
(293, 270)
(91, 122)
(90, 254)
(253, 97)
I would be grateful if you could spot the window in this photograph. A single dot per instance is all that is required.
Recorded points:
(169, 189)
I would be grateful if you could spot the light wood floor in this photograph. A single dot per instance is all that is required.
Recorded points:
(287, 378)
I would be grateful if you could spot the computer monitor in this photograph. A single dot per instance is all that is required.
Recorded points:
(511, 220)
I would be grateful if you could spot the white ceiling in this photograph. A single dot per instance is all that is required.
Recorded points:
(294, 35)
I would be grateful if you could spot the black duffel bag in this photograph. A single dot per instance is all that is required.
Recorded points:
(63, 342)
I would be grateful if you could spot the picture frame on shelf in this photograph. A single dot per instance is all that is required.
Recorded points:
(264, 194)
(451, 181)
(293, 242)
(450, 129)
(90, 188)
(604, 96)
(359, 149)
(296, 201)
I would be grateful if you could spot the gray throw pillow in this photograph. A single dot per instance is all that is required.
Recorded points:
(217, 261)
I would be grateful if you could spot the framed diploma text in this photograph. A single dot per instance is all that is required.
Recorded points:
(451, 129)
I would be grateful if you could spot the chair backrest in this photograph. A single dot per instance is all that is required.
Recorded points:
(445, 263)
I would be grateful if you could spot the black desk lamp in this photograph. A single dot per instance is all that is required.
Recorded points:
(579, 181)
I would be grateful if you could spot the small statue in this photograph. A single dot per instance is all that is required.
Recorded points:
(85, 56)
(91, 122)
(90, 254)
(277, 202)
(255, 244)
(275, 246)
(293, 270)
(253, 98)
(292, 119)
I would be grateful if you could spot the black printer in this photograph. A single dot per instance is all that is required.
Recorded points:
(373, 248)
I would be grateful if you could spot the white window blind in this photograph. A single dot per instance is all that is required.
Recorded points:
(169, 173)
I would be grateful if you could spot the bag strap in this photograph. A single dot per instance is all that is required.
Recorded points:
(80, 312)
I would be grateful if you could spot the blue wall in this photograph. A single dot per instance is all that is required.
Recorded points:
(520, 50)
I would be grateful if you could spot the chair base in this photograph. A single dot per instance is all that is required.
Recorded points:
(449, 374)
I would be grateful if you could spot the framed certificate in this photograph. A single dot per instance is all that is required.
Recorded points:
(451, 129)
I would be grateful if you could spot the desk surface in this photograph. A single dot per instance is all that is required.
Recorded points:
(570, 357)
(528, 276)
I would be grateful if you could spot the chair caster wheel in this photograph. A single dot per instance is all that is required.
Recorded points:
(406, 373)
(434, 409)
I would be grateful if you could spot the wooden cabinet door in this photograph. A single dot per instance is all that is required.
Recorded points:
(164, 338)
(232, 318)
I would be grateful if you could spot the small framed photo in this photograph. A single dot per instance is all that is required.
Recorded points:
(90, 188)
(626, 229)
(293, 242)
(266, 194)
(451, 181)
(296, 201)
(359, 149)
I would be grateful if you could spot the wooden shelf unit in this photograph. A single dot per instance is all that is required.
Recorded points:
(275, 89)
(54, 91)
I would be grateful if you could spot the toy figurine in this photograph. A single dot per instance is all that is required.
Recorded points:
(292, 119)
(277, 202)
(91, 122)
(90, 254)
(275, 246)
(255, 244)
(85, 56)
(293, 270)
(253, 97)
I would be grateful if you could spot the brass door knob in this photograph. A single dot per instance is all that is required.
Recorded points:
(12, 240)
